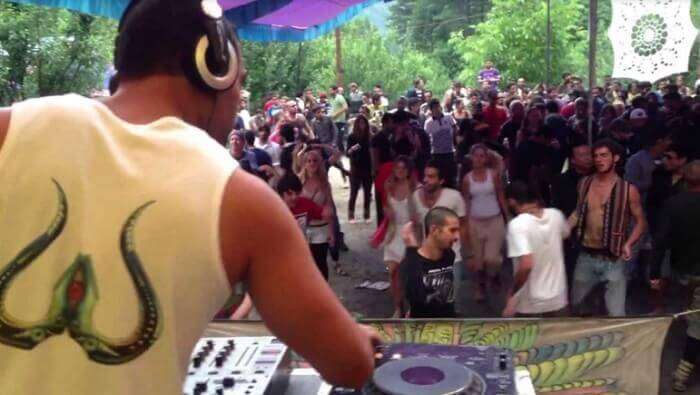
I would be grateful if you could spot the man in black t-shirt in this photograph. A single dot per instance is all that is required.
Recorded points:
(426, 273)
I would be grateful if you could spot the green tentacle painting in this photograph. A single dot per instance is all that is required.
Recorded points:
(75, 296)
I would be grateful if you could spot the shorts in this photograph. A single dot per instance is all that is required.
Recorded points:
(487, 238)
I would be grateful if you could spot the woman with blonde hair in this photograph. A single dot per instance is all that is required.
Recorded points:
(320, 233)
(485, 201)
(399, 187)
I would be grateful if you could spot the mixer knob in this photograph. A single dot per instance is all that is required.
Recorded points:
(219, 361)
(503, 362)
(197, 362)
(229, 382)
(200, 388)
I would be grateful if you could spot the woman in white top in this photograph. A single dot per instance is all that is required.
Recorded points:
(399, 188)
(316, 187)
(484, 197)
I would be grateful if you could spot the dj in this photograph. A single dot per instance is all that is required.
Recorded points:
(124, 226)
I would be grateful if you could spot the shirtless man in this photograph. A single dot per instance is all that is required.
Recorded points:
(148, 208)
(606, 206)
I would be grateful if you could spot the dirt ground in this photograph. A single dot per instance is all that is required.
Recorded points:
(364, 263)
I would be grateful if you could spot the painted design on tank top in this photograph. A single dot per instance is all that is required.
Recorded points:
(75, 296)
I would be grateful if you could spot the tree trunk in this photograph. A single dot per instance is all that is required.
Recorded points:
(340, 72)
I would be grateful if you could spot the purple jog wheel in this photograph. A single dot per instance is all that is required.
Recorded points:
(422, 376)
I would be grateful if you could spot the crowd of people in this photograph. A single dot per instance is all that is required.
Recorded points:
(577, 195)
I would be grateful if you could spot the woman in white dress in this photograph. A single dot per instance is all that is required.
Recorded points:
(399, 187)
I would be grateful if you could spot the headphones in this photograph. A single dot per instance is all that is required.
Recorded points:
(214, 64)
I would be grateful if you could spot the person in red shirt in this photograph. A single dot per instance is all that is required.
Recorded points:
(494, 115)
(304, 210)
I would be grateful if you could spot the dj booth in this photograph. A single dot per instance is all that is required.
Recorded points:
(497, 356)
(245, 358)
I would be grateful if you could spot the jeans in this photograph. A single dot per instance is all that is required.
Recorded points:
(340, 140)
(592, 270)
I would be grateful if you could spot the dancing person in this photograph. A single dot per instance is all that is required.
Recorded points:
(315, 187)
(485, 205)
(678, 231)
(360, 167)
(399, 188)
(427, 273)
(535, 242)
(606, 207)
(434, 194)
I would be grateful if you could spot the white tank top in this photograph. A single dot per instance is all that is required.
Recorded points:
(110, 264)
(484, 203)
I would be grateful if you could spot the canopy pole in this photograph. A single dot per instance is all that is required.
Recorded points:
(592, 41)
(548, 78)
(340, 72)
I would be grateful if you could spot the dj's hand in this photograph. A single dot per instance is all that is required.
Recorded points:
(372, 334)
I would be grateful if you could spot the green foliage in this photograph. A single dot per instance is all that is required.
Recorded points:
(46, 51)
(428, 24)
(514, 37)
(367, 60)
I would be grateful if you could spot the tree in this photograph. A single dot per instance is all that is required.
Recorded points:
(513, 36)
(368, 59)
(427, 25)
(47, 51)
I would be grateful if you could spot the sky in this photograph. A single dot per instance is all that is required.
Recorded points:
(378, 14)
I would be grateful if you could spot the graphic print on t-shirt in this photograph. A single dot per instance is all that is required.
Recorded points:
(302, 221)
(75, 297)
(439, 287)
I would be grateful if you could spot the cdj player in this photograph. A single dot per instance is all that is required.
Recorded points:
(238, 366)
(422, 369)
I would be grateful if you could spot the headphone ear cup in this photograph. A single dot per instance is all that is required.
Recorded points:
(210, 78)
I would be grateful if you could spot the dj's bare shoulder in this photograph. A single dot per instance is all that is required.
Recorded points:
(262, 245)
(5, 114)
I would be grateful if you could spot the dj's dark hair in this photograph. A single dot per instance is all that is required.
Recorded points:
(437, 217)
(289, 182)
(160, 36)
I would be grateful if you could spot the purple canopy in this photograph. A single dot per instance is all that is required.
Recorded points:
(257, 20)
(303, 20)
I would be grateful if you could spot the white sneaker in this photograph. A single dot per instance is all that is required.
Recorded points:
(353, 221)
(368, 221)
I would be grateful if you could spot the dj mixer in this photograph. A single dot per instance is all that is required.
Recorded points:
(238, 366)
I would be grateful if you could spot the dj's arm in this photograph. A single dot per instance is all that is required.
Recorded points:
(4, 124)
(289, 292)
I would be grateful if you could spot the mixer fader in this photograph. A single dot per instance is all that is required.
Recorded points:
(238, 366)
